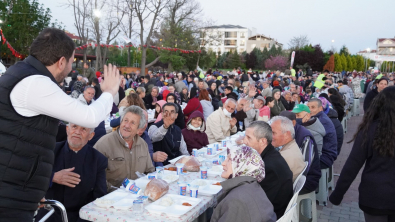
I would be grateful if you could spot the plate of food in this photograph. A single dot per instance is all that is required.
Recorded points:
(207, 187)
(108, 200)
(173, 205)
(215, 170)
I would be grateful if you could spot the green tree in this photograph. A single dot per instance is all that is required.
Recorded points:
(23, 20)
(233, 60)
(343, 60)
(349, 63)
(344, 51)
(338, 63)
(360, 63)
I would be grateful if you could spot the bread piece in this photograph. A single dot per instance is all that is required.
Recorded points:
(191, 163)
(156, 188)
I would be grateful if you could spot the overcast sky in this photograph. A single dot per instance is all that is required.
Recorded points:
(354, 23)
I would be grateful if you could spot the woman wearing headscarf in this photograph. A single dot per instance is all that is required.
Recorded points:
(278, 105)
(205, 100)
(193, 104)
(172, 98)
(242, 198)
(184, 95)
(373, 149)
(194, 134)
(78, 89)
(158, 110)
(337, 102)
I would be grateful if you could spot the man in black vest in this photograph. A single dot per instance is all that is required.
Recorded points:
(31, 104)
(166, 136)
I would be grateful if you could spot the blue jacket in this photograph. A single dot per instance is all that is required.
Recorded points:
(332, 114)
(314, 171)
(146, 138)
(91, 165)
(100, 131)
(329, 148)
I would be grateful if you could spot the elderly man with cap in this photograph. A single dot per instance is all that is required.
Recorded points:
(266, 92)
(284, 138)
(310, 153)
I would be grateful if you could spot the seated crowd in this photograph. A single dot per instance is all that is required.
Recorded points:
(190, 113)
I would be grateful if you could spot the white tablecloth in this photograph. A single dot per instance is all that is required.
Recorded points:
(93, 213)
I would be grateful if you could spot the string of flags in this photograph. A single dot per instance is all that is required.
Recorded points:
(14, 52)
(93, 45)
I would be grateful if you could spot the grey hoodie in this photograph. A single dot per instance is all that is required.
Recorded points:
(207, 108)
(318, 131)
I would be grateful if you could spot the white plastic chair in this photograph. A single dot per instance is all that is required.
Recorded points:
(288, 216)
(311, 208)
(322, 195)
(300, 175)
(299, 183)
(331, 181)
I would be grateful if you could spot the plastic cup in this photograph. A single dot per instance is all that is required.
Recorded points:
(138, 207)
(203, 172)
(182, 189)
(195, 152)
(151, 176)
(223, 143)
(193, 191)
(179, 168)
(209, 150)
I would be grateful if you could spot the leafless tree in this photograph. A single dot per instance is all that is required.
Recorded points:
(127, 26)
(105, 19)
(81, 16)
(148, 13)
(298, 42)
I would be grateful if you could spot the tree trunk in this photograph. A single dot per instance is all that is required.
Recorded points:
(169, 67)
(143, 58)
(152, 63)
(128, 56)
(98, 57)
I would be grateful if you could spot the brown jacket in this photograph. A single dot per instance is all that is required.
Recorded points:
(122, 162)
(293, 156)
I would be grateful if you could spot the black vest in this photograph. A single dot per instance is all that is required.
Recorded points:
(171, 142)
(26, 144)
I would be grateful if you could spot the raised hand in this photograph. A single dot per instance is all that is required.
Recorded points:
(112, 79)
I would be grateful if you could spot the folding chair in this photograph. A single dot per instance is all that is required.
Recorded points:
(48, 206)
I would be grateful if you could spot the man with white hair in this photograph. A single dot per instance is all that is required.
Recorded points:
(266, 92)
(220, 124)
(78, 173)
(127, 153)
(278, 177)
(284, 138)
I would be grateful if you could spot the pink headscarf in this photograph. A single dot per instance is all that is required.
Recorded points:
(161, 103)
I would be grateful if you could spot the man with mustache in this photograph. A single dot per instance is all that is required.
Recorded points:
(78, 174)
(126, 151)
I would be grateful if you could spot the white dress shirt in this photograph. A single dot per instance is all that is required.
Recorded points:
(38, 95)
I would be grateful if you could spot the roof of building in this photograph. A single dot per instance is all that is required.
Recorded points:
(72, 36)
(365, 51)
(383, 39)
(263, 36)
(226, 27)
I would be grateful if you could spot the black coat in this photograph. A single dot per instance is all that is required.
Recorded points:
(369, 99)
(91, 165)
(376, 190)
(332, 114)
(277, 184)
(287, 106)
(148, 101)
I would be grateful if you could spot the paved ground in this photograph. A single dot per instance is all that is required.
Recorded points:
(348, 210)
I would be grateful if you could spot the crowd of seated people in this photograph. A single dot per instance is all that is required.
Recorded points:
(190, 113)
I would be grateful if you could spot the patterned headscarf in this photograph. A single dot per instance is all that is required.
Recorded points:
(247, 162)
(78, 88)
(326, 105)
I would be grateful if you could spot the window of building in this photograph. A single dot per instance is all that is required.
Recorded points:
(230, 34)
